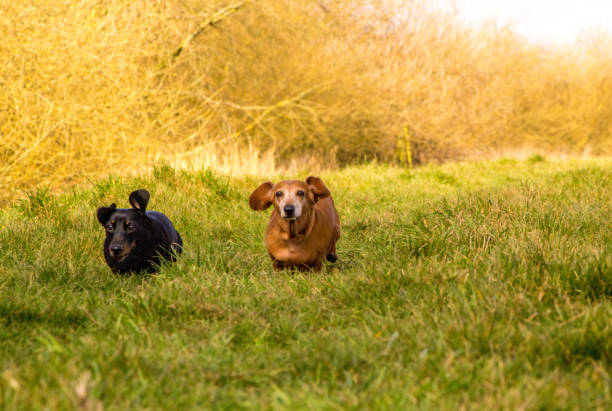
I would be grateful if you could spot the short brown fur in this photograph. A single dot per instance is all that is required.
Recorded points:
(300, 243)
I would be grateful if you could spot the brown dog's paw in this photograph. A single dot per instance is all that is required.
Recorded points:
(332, 257)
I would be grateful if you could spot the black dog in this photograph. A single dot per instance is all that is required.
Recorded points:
(137, 239)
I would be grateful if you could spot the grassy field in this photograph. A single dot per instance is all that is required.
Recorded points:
(481, 284)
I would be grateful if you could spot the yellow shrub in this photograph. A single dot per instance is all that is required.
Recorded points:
(99, 86)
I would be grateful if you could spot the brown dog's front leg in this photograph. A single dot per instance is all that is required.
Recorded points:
(317, 265)
(277, 265)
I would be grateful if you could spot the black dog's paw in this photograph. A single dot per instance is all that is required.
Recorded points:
(332, 257)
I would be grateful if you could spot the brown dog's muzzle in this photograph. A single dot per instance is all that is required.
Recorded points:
(289, 212)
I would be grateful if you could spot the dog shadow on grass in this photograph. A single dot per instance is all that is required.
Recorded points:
(29, 318)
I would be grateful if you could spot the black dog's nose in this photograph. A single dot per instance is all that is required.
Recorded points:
(116, 248)
(289, 210)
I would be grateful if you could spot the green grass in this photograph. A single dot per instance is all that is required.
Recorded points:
(481, 284)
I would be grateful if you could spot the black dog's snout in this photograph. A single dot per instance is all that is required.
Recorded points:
(116, 248)
(289, 210)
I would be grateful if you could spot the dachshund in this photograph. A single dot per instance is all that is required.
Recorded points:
(304, 226)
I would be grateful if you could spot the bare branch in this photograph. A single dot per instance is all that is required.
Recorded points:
(210, 21)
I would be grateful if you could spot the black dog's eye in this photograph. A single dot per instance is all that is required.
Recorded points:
(109, 227)
(130, 227)
(300, 193)
(279, 193)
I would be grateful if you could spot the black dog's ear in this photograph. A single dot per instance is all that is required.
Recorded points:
(261, 198)
(318, 188)
(139, 200)
(104, 213)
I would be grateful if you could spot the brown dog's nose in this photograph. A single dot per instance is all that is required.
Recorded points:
(289, 210)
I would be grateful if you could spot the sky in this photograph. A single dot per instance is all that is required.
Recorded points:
(543, 21)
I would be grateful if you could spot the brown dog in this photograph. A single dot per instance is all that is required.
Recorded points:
(304, 225)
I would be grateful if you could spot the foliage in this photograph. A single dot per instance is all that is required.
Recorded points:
(92, 87)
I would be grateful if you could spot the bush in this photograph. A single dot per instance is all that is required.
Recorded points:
(99, 86)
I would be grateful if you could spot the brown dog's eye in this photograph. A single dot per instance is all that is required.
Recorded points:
(109, 227)
(279, 194)
(300, 193)
(130, 227)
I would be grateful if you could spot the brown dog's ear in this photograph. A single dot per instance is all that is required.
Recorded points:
(261, 198)
(104, 213)
(139, 199)
(318, 188)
